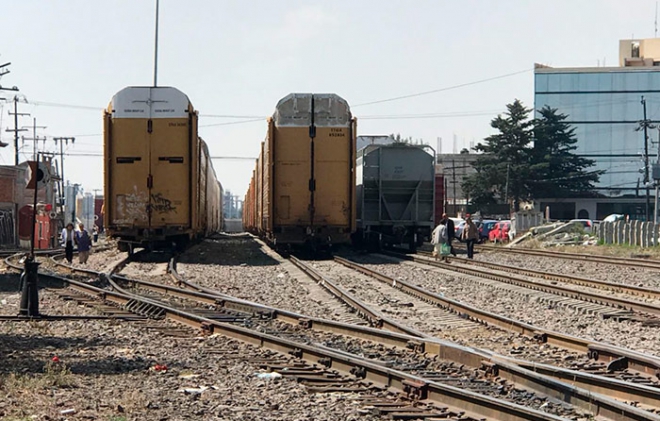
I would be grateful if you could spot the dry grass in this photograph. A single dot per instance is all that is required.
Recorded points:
(55, 375)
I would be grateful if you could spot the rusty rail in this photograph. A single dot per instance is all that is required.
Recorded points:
(598, 351)
(458, 400)
(611, 260)
(551, 276)
(619, 303)
(530, 377)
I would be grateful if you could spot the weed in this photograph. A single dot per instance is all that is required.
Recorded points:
(54, 375)
(58, 375)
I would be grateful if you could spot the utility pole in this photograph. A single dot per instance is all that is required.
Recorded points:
(645, 125)
(34, 137)
(656, 179)
(62, 141)
(453, 182)
(16, 114)
(4, 71)
(156, 47)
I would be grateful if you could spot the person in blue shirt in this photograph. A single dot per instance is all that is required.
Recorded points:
(84, 242)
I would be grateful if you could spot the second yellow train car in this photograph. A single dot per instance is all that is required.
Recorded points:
(304, 191)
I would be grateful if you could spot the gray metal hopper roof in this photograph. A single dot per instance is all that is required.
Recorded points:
(330, 110)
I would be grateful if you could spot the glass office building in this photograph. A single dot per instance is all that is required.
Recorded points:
(603, 104)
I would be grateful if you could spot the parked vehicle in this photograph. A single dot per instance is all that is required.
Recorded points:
(500, 232)
(458, 228)
(614, 217)
(486, 226)
(586, 224)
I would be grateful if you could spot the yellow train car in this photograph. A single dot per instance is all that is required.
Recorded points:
(160, 186)
(305, 174)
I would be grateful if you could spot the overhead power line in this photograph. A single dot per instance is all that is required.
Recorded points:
(448, 88)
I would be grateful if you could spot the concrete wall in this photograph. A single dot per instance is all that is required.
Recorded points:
(637, 233)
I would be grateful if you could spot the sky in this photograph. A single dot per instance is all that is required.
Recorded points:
(235, 59)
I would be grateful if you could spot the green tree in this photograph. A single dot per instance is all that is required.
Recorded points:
(503, 168)
(556, 171)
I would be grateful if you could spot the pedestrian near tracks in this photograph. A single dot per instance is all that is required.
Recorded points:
(84, 242)
(470, 235)
(440, 239)
(451, 232)
(67, 241)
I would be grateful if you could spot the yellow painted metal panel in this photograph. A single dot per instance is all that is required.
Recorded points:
(170, 169)
(292, 171)
(128, 154)
(332, 171)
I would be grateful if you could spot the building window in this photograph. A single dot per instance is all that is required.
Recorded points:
(634, 51)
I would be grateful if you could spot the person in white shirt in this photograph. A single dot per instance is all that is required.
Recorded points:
(438, 238)
(67, 241)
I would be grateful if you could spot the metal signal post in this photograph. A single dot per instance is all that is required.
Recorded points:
(30, 276)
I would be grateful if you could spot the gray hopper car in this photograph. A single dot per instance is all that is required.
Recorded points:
(395, 195)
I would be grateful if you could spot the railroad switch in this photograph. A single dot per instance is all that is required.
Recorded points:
(297, 352)
(207, 328)
(618, 365)
(415, 346)
(359, 372)
(490, 368)
(326, 362)
(541, 337)
(416, 390)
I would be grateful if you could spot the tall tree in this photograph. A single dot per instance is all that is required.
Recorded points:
(556, 170)
(503, 168)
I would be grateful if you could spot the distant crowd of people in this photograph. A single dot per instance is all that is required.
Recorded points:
(79, 237)
(445, 232)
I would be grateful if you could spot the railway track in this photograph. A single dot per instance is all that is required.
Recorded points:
(633, 290)
(611, 260)
(450, 402)
(621, 305)
(609, 355)
(461, 355)
(447, 373)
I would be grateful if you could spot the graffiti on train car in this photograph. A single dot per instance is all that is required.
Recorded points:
(161, 204)
(131, 207)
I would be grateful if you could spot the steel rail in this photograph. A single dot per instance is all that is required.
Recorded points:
(457, 399)
(612, 260)
(504, 367)
(600, 352)
(551, 276)
(620, 303)
(375, 318)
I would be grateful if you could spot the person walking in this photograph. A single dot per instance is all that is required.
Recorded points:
(67, 241)
(451, 232)
(95, 233)
(470, 235)
(84, 242)
(439, 237)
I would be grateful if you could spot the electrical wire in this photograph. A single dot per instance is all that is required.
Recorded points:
(448, 88)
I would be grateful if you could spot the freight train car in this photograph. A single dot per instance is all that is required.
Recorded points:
(303, 189)
(160, 186)
(395, 195)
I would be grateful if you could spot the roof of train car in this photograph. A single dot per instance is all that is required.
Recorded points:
(372, 147)
(149, 102)
(330, 110)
